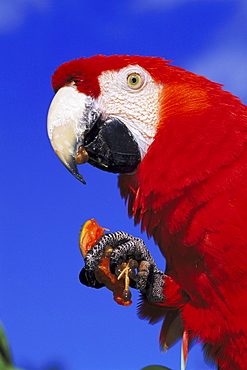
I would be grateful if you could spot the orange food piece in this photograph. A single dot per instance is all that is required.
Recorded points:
(89, 235)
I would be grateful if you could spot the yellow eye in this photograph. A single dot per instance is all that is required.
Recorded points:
(134, 80)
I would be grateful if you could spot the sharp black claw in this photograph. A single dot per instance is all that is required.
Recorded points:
(87, 278)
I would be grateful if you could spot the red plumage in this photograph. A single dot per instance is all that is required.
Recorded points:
(189, 194)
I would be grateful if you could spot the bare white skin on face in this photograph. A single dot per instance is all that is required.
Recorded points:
(132, 96)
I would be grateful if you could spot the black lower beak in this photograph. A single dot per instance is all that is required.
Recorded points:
(112, 147)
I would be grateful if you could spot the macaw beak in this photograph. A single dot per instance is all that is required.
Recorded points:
(78, 134)
(66, 125)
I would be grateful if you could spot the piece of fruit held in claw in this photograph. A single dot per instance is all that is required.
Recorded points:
(118, 283)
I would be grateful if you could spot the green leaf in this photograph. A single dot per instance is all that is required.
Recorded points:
(5, 355)
(155, 367)
(4, 367)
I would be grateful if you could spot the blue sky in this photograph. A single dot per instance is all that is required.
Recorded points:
(48, 316)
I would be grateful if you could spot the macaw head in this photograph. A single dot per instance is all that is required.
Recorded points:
(110, 110)
(105, 111)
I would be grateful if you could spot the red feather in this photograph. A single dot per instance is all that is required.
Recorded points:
(190, 194)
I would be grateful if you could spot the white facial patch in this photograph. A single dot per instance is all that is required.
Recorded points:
(137, 107)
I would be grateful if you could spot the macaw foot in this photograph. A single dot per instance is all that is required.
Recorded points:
(148, 279)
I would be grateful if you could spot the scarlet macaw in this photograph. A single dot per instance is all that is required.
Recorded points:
(179, 143)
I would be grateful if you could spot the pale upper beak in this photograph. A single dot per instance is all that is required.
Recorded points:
(66, 125)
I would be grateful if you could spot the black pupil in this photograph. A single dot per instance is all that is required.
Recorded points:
(134, 80)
